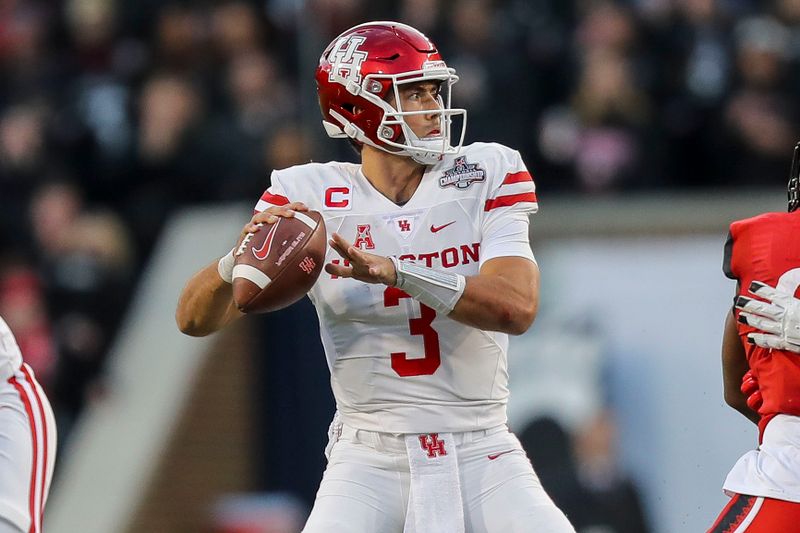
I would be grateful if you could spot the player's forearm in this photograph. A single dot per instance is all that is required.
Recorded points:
(205, 304)
(739, 403)
(734, 366)
(493, 303)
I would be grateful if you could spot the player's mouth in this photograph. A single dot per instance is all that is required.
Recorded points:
(434, 133)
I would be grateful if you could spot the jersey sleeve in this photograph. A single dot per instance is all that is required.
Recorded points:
(275, 195)
(510, 202)
(737, 253)
(727, 259)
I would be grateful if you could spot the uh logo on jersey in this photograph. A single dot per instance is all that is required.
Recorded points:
(404, 225)
(462, 175)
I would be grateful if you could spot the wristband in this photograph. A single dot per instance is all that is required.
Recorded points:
(225, 267)
(437, 289)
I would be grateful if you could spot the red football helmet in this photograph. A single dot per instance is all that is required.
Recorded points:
(358, 70)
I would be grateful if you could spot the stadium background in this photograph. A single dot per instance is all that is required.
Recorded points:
(136, 135)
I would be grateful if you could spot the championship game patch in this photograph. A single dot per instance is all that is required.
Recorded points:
(462, 175)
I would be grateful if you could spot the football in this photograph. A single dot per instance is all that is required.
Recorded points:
(278, 264)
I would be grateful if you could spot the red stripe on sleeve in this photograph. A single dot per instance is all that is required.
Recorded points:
(511, 199)
(274, 199)
(45, 441)
(517, 177)
(29, 411)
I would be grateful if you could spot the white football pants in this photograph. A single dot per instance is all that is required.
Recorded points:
(27, 448)
(365, 487)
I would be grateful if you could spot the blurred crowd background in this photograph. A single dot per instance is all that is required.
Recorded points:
(116, 113)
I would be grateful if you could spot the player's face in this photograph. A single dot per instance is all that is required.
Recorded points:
(422, 96)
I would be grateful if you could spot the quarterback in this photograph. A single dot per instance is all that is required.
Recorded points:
(761, 371)
(428, 271)
(27, 441)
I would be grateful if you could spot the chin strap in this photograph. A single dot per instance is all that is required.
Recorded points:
(348, 129)
(430, 151)
(425, 156)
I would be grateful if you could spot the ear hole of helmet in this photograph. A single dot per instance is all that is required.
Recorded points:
(390, 132)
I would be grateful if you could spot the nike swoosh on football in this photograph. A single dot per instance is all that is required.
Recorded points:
(494, 456)
(263, 252)
(434, 229)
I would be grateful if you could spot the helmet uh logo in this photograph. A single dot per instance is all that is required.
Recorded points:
(346, 59)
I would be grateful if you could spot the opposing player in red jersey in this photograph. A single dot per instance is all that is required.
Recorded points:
(27, 441)
(429, 269)
(761, 372)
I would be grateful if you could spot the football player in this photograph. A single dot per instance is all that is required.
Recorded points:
(27, 441)
(429, 269)
(761, 373)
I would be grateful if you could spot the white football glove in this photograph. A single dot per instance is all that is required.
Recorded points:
(778, 317)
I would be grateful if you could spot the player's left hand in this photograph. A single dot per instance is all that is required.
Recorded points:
(366, 267)
(751, 391)
(778, 317)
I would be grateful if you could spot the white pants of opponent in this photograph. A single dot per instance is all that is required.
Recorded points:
(27, 450)
(365, 488)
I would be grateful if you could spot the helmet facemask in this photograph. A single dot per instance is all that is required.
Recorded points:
(427, 150)
(393, 131)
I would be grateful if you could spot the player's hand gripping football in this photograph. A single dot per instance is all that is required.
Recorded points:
(778, 317)
(270, 216)
(363, 266)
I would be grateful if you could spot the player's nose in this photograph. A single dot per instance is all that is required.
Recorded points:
(433, 108)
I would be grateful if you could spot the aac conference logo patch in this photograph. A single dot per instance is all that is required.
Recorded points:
(462, 175)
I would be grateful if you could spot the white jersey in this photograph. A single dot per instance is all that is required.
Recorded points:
(396, 366)
(9, 351)
(27, 440)
(773, 470)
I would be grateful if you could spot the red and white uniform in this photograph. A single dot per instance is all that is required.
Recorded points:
(450, 377)
(398, 368)
(767, 248)
(27, 440)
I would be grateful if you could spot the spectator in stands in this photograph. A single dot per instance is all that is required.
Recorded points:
(260, 104)
(169, 164)
(761, 115)
(601, 140)
(582, 477)
(180, 40)
(612, 496)
(82, 257)
(21, 166)
(23, 306)
(287, 147)
(237, 29)
(550, 450)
